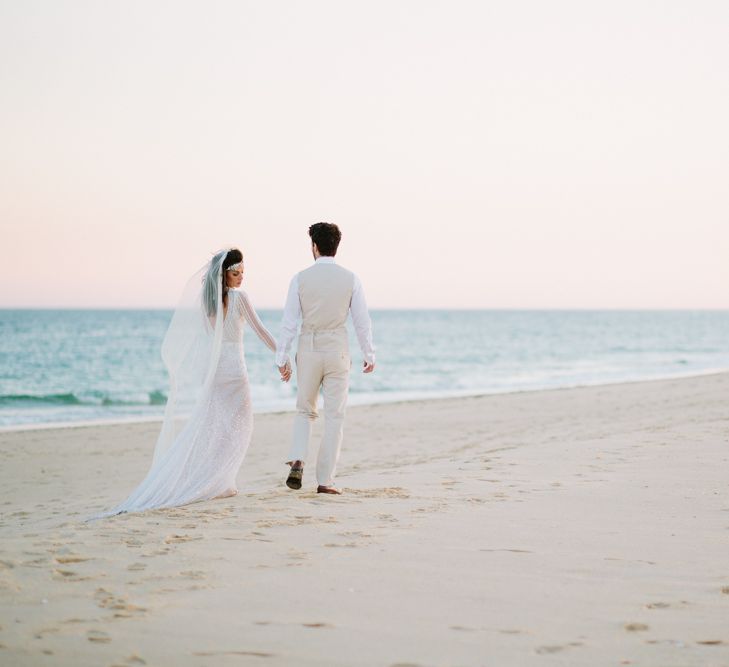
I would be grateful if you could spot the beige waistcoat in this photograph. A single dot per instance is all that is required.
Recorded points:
(325, 292)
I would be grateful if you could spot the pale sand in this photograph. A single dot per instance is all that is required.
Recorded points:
(576, 527)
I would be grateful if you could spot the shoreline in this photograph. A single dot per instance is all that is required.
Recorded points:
(50, 426)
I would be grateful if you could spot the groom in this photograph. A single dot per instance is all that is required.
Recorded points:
(321, 297)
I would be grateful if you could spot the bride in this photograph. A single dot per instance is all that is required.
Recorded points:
(208, 418)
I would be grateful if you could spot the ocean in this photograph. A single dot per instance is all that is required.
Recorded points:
(104, 365)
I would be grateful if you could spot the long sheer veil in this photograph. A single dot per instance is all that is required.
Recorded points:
(191, 348)
(191, 352)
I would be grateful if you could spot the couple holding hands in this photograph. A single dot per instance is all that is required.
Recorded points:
(208, 418)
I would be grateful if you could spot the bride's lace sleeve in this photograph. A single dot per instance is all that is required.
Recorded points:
(250, 315)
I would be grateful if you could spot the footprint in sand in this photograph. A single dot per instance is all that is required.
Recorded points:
(672, 642)
(556, 648)
(423, 510)
(70, 575)
(388, 492)
(134, 567)
(260, 537)
(174, 539)
(62, 575)
(252, 654)
(71, 559)
(98, 637)
(131, 660)
(354, 533)
(35, 562)
(46, 631)
(657, 605)
(636, 627)
(119, 605)
(158, 552)
(317, 625)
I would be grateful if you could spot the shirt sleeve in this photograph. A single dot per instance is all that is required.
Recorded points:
(289, 323)
(251, 316)
(362, 321)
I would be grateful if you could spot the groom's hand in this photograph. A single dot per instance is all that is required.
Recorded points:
(368, 368)
(285, 371)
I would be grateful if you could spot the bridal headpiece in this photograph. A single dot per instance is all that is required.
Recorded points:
(235, 267)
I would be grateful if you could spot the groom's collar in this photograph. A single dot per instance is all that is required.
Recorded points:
(324, 259)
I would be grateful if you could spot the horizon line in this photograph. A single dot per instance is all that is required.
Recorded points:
(400, 308)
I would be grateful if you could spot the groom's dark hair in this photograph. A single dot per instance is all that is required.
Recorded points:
(327, 236)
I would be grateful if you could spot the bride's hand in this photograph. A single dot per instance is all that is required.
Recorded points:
(285, 372)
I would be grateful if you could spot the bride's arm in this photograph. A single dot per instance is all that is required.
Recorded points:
(249, 312)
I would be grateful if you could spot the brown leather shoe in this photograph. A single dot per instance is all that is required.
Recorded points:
(328, 489)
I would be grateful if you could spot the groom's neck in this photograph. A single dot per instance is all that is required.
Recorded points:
(316, 253)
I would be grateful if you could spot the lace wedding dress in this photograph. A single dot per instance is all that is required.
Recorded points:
(202, 460)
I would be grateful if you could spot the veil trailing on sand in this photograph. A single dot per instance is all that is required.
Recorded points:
(191, 348)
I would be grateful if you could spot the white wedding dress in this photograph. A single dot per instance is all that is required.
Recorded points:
(203, 459)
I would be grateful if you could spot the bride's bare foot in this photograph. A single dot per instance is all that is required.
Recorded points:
(227, 494)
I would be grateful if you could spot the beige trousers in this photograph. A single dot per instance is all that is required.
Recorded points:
(322, 362)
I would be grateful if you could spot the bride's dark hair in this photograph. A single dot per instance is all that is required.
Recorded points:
(210, 289)
(234, 256)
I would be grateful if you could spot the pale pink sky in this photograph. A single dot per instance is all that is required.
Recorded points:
(475, 154)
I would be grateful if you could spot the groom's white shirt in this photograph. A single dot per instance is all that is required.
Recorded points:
(292, 317)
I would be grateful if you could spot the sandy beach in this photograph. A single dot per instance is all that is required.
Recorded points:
(583, 526)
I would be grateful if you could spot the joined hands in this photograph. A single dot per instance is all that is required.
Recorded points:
(285, 371)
